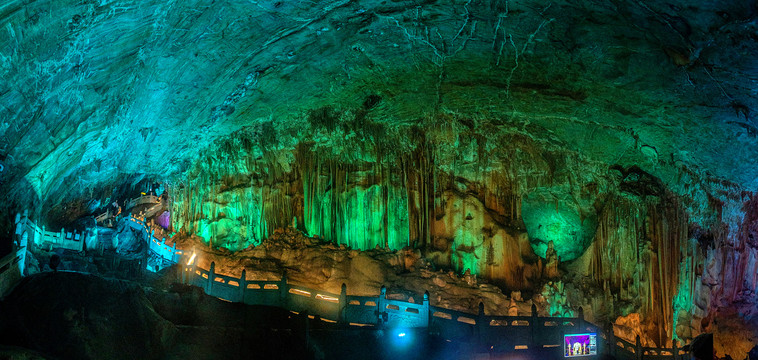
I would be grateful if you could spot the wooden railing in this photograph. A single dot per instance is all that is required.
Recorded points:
(507, 333)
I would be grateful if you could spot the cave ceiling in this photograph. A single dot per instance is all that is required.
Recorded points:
(93, 91)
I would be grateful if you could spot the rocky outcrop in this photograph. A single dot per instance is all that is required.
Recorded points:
(321, 265)
(76, 316)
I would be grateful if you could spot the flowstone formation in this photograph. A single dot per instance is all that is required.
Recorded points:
(560, 226)
(461, 209)
(616, 240)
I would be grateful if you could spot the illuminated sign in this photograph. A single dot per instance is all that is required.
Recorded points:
(579, 345)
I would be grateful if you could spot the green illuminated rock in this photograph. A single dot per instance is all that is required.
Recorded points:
(548, 218)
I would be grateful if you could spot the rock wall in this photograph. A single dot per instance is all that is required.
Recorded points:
(639, 253)
(620, 241)
(456, 195)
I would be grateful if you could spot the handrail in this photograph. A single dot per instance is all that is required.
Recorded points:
(57, 239)
(75, 241)
(7, 259)
(8, 266)
(376, 310)
(350, 309)
(143, 199)
(155, 245)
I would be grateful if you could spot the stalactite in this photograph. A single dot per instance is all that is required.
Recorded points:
(385, 186)
(664, 234)
(391, 200)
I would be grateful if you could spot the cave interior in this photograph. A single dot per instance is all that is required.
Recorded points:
(590, 160)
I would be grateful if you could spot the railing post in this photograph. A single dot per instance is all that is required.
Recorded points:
(243, 285)
(211, 275)
(611, 341)
(145, 260)
(19, 226)
(342, 305)
(21, 221)
(24, 241)
(638, 349)
(306, 328)
(192, 273)
(425, 311)
(35, 239)
(21, 259)
(381, 306)
(480, 325)
(675, 350)
(283, 291)
(533, 326)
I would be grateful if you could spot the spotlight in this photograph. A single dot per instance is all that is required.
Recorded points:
(401, 339)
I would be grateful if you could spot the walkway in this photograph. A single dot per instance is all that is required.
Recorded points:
(499, 333)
